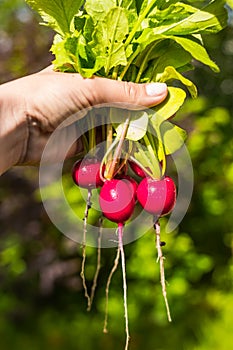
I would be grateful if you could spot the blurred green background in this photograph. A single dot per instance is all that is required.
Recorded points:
(42, 303)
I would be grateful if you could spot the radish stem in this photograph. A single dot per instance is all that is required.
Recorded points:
(105, 159)
(91, 134)
(98, 266)
(120, 235)
(161, 262)
(82, 274)
(145, 61)
(117, 153)
(115, 265)
(162, 150)
(129, 64)
(153, 158)
(139, 21)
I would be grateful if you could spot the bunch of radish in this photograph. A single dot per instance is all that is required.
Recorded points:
(136, 41)
(118, 196)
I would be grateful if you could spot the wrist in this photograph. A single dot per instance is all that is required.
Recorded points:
(13, 128)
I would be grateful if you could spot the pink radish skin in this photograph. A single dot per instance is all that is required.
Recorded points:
(157, 197)
(137, 169)
(128, 179)
(86, 173)
(117, 200)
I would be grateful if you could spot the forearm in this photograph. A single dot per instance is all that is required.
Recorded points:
(13, 128)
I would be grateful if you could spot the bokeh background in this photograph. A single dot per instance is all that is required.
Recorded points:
(42, 304)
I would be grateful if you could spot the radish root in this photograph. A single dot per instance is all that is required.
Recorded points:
(98, 266)
(121, 246)
(162, 271)
(115, 265)
(82, 273)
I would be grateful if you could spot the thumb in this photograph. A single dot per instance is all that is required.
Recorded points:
(97, 90)
(131, 95)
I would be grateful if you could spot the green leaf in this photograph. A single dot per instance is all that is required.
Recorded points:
(98, 9)
(190, 20)
(147, 160)
(116, 29)
(147, 37)
(107, 44)
(173, 55)
(137, 126)
(71, 55)
(162, 5)
(166, 53)
(84, 24)
(230, 3)
(89, 72)
(170, 73)
(197, 51)
(170, 106)
(172, 14)
(57, 14)
(145, 4)
(152, 51)
(196, 22)
(173, 137)
(189, 44)
(62, 58)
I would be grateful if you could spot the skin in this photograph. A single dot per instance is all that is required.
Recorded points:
(32, 107)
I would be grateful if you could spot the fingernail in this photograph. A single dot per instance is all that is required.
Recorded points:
(156, 89)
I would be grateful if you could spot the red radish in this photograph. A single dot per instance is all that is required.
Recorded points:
(117, 200)
(86, 173)
(137, 169)
(157, 197)
(128, 179)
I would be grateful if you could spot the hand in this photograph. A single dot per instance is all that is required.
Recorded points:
(32, 107)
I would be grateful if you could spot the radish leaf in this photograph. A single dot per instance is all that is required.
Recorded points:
(113, 30)
(137, 126)
(98, 9)
(184, 19)
(170, 73)
(170, 106)
(57, 14)
(173, 137)
(196, 50)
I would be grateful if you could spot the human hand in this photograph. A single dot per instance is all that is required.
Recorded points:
(32, 107)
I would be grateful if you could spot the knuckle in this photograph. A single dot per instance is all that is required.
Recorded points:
(133, 93)
(130, 90)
